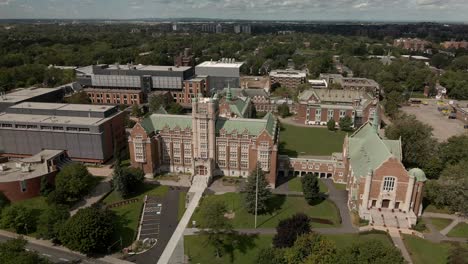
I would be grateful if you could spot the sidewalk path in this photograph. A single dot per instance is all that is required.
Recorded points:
(438, 236)
(396, 238)
(198, 187)
(96, 194)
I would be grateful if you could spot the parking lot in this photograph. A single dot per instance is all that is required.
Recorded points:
(442, 125)
(151, 221)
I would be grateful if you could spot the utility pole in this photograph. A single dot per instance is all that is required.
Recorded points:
(256, 198)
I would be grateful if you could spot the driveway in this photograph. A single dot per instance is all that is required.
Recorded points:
(340, 198)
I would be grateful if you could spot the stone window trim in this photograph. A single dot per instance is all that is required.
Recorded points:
(389, 184)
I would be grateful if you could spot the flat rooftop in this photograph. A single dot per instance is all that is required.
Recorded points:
(51, 120)
(221, 64)
(288, 73)
(23, 94)
(36, 165)
(63, 107)
(139, 67)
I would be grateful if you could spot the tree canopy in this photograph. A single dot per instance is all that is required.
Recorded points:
(88, 231)
(14, 251)
(289, 229)
(71, 183)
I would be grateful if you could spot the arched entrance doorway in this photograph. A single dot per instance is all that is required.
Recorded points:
(385, 203)
(201, 170)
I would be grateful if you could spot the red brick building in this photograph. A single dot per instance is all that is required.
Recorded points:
(412, 44)
(318, 106)
(205, 144)
(454, 44)
(380, 188)
(115, 96)
(21, 179)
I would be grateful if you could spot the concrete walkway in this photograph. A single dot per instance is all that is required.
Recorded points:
(94, 196)
(396, 238)
(178, 257)
(198, 187)
(438, 236)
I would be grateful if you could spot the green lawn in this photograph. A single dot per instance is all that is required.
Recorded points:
(245, 250)
(295, 185)
(440, 223)
(282, 207)
(295, 141)
(423, 251)
(340, 186)
(181, 210)
(433, 209)
(344, 240)
(460, 230)
(128, 215)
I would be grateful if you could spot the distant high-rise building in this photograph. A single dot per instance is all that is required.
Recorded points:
(246, 29)
(209, 27)
(237, 29)
(174, 27)
(219, 28)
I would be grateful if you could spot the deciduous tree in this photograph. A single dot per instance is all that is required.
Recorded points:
(289, 229)
(51, 220)
(331, 124)
(14, 251)
(19, 218)
(88, 231)
(346, 124)
(73, 181)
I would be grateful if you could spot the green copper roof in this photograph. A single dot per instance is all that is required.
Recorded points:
(239, 106)
(418, 174)
(253, 126)
(156, 122)
(367, 151)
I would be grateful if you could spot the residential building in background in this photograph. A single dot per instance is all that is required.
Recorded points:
(205, 143)
(184, 58)
(221, 74)
(32, 94)
(288, 78)
(88, 133)
(20, 179)
(412, 44)
(317, 106)
(455, 44)
(351, 83)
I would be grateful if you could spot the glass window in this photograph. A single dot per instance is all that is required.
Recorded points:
(389, 184)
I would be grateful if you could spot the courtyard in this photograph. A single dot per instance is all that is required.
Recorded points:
(297, 141)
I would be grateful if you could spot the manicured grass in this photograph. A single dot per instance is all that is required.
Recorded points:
(128, 216)
(181, 210)
(460, 230)
(344, 240)
(440, 223)
(295, 185)
(281, 207)
(423, 251)
(245, 250)
(433, 209)
(340, 186)
(295, 141)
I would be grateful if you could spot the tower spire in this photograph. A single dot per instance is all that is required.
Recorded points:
(229, 93)
(376, 120)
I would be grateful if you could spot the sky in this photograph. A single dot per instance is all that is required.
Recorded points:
(361, 10)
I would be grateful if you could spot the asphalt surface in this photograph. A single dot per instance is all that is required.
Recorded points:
(56, 255)
(167, 225)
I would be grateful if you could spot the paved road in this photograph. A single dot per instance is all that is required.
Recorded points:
(57, 255)
(168, 224)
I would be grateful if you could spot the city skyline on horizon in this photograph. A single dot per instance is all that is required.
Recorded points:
(291, 10)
